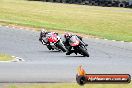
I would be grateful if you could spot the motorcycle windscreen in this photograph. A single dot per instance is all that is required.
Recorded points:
(74, 41)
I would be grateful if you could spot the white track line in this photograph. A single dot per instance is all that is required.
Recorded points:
(18, 59)
(85, 37)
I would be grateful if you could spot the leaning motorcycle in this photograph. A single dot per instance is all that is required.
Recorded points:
(78, 46)
(54, 42)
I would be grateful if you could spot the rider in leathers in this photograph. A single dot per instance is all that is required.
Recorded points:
(67, 36)
(43, 34)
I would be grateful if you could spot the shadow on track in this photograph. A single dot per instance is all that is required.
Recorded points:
(50, 51)
(74, 56)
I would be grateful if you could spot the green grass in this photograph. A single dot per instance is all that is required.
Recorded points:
(105, 22)
(5, 57)
(67, 85)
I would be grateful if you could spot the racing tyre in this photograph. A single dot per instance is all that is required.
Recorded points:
(49, 47)
(60, 46)
(85, 53)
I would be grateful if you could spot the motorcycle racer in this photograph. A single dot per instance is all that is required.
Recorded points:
(43, 35)
(52, 40)
(67, 36)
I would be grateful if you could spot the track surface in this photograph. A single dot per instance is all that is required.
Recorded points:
(42, 65)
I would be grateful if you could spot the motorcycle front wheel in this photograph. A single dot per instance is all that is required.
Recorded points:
(85, 53)
(60, 46)
(49, 47)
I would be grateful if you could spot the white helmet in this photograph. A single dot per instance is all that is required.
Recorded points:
(43, 31)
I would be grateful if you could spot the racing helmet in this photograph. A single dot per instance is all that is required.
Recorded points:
(67, 35)
(43, 31)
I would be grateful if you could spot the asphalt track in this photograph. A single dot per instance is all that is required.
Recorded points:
(42, 65)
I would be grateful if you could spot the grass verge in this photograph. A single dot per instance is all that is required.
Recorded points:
(106, 22)
(5, 57)
(67, 85)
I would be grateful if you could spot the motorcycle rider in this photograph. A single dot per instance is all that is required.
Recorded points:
(67, 36)
(43, 34)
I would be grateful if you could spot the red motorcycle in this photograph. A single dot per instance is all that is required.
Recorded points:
(54, 42)
(78, 46)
